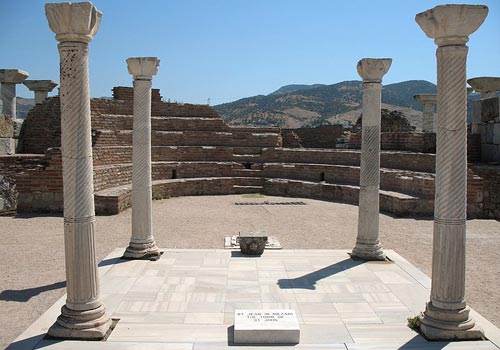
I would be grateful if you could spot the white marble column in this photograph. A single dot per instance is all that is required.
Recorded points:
(142, 244)
(8, 80)
(41, 88)
(429, 102)
(486, 87)
(447, 314)
(368, 246)
(84, 315)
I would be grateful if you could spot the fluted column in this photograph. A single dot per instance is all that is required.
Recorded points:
(41, 88)
(142, 244)
(83, 315)
(486, 87)
(429, 102)
(447, 314)
(8, 80)
(368, 246)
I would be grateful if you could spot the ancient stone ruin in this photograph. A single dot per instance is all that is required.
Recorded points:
(105, 155)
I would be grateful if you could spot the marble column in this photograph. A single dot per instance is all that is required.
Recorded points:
(8, 79)
(368, 246)
(142, 244)
(429, 102)
(41, 88)
(447, 314)
(487, 88)
(83, 315)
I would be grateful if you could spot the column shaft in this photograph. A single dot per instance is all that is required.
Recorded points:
(76, 144)
(40, 96)
(448, 282)
(367, 242)
(141, 177)
(142, 244)
(428, 118)
(9, 99)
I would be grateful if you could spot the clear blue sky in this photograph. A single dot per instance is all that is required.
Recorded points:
(228, 49)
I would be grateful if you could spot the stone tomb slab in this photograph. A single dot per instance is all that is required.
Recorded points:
(276, 326)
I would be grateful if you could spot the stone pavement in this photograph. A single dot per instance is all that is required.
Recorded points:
(186, 300)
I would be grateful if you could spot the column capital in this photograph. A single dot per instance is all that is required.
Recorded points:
(143, 68)
(451, 24)
(426, 99)
(373, 69)
(78, 21)
(40, 85)
(12, 76)
(485, 84)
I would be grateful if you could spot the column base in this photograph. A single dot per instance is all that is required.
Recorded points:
(365, 251)
(441, 324)
(142, 251)
(89, 325)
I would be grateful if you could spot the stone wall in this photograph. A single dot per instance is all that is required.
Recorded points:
(490, 130)
(10, 167)
(324, 136)
(490, 178)
(401, 141)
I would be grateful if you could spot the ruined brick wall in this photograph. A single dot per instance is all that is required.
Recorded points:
(126, 93)
(490, 130)
(401, 141)
(41, 188)
(490, 178)
(10, 167)
(324, 136)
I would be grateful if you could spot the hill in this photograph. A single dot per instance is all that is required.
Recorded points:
(294, 106)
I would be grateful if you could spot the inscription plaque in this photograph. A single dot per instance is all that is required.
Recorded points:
(278, 326)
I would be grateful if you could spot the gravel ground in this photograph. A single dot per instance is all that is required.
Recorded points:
(32, 253)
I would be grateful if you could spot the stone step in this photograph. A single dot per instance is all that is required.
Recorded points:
(247, 150)
(247, 172)
(247, 189)
(396, 203)
(249, 181)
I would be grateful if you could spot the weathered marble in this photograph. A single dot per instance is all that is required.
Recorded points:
(41, 88)
(368, 246)
(8, 80)
(447, 314)
(142, 244)
(429, 102)
(83, 315)
(252, 242)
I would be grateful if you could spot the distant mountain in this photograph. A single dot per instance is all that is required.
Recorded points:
(294, 87)
(23, 106)
(294, 106)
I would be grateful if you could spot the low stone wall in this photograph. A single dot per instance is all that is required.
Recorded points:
(10, 167)
(41, 188)
(188, 138)
(401, 141)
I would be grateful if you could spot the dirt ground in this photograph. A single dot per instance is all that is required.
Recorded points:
(32, 253)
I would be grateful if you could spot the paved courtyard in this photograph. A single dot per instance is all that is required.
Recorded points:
(187, 298)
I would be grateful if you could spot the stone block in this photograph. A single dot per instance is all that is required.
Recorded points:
(490, 109)
(490, 152)
(252, 243)
(266, 327)
(6, 127)
(496, 133)
(7, 145)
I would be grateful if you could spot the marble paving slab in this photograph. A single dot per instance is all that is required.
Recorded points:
(186, 300)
